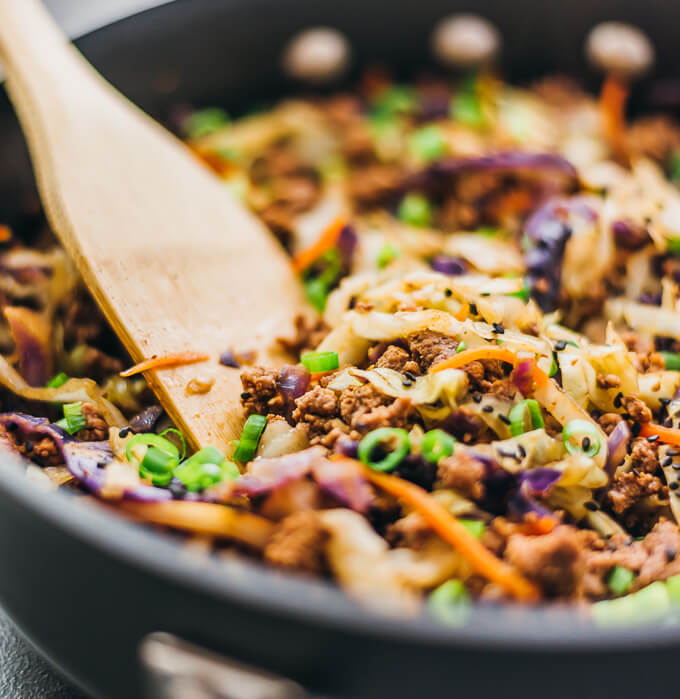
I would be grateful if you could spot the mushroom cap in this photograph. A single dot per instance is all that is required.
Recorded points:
(619, 48)
(316, 55)
(465, 40)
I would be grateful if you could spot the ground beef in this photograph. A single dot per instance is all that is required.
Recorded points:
(608, 381)
(279, 218)
(554, 561)
(637, 409)
(463, 473)
(630, 487)
(299, 192)
(455, 215)
(649, 361)
(43, 452)
(397, 359)
(654, 136)
(356, 401)
(635, 343)
(609, 421)
(428, 347)
(260, 392)
(83, 322)
(317, 408)
(308, 336)
(644, 455)
(375, 183)
(96, 429)
(397, 414)
(488, 377)
(356, 142)
(299, 543)
(411, 531)
(559, 91)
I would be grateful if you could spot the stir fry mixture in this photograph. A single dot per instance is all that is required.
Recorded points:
(486, 405)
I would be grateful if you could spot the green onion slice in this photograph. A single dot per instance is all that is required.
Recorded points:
(174, 430)
(415, 209)
(525, 416)
(427, 143)
(387, 253)
(319, 362)
(461, 347)
(394, 439)
(157, 466)
(436, 445)
(73, 420)
(250, 437)
(671, 360)
(57, 381)
(206, 468)
(524, 293)
(581, 437)
(449, 602)
(620, 580)
(475, 526)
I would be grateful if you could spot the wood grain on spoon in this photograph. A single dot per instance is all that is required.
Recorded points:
(174, 261)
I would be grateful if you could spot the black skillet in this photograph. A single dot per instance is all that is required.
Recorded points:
(87, 588)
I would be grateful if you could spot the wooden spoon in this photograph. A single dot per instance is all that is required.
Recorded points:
(174, 261)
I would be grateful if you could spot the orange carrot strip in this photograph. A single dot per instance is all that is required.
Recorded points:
(667, 435)
(325, 242)
(473, 354)
(204, 518)
(5, 233)
(166, 361)
(462, 313)
(613, 99)
(454, 533)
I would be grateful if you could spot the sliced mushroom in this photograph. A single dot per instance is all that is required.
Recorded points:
(465, 41)
(317, 55)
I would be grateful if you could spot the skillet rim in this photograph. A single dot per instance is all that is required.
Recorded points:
(250, 584)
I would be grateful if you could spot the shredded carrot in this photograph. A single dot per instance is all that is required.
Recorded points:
(166, 361)
(473, 354)
(535, 526)
(454, 533)
(613, 99)
(5, 233)
(462, 313)
(667, 435)
(325, 242)
(204, 518)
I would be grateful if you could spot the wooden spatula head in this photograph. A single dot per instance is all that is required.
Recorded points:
(172, 259)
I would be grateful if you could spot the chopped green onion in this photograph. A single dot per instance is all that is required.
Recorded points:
(553, 366)
(674, 166)
(415, 209)
(581, 437)
(205, 121)
(319, 362)
(59, 380)
(673, 246)
(466, 108)
(449, 602)
(73, 420)
(393, 438)
(461, 347)
(250, 437)
(645, 605)
(436, 445)
(673, 588)
(318, 287)
(524, 293)
(671, 360)
(620, 580)
(475, 526)
(530, 409)
(427, 143)
(160, 459)
(386, 254)
(397, 99)
(317, 293)
(206, 468)
(183, 442)
(157, 466)
(488, 231)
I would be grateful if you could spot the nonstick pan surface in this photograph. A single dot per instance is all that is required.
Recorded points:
(86, 587)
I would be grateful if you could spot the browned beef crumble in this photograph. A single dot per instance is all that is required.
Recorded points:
(96, 429)
(637, 409)
(608, 421)
(655, 137)
(299, 543)
(462, 473)
(644, 455)
(260, 391)
(319, 409)
(364, 408)
(397, 359)
(559, 91)
(411, 530)
(428, 347)
(628, 488)
(43, 452)
(375, 183)
(608, 381)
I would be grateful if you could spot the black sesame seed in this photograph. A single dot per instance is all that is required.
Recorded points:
(677, 494)
(522, 451)
(473, 309)
(448, 292)
(667, 461)
(674, 485)
(585, 443)
(653, 438)
(488, 408)
(485, 293)
(618, 399)
(28, 445)
(560, 345)
(504, 419)
(410, 375)
(676, 466)
(12, 427)
(406, 383)
(498, 328)
(592, 506)
(673, 452)
(477, 397)
(125, 432)
(664, 401)
(671, 553)
(635, 429)
(245, 395)
(102, 464)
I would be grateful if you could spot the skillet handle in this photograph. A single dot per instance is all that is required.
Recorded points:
(175, 669)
